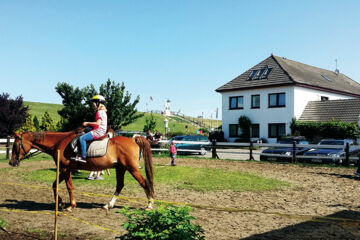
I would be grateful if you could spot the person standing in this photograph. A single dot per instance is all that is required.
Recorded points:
(99, 126)
(172, 153)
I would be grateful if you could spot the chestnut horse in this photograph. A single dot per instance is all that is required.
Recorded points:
(122, 154)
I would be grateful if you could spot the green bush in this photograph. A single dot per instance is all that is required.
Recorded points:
(328, 129)
(166, 222)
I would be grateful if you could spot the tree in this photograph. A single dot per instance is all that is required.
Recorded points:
(74, 111)
(78, 107)
(150, 123)
(47, 124)
(12, 114)
(36, 123)
(28, 126)
(245, 125)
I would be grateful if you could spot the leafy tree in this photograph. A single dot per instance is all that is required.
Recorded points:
(78, 107)
(36, 123)
(28, 126)
(245, 125)
(47, 124)
(150, 123)
(12, 114)
(60, 125)
(74, 111)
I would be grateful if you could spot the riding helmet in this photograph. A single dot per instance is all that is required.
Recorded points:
(98, 98)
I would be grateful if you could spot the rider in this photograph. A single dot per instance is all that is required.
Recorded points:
(99, 127)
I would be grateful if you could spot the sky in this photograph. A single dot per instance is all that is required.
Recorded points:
(176, 50)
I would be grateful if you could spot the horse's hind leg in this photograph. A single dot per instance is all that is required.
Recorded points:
(60, 202)
(137, 175)
(120, 172)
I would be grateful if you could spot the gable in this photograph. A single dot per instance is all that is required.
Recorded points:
(277, 77)
(346, 110)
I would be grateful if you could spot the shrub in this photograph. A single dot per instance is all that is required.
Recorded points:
(328, 129)
(163, 223)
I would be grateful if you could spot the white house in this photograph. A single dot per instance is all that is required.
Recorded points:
(276, 90)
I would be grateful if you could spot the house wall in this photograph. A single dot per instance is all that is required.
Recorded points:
(303, 95)
(262, 116)
(296, 101)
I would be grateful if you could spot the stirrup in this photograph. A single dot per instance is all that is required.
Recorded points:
(79, 159)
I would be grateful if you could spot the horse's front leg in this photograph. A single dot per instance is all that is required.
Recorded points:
(120, 172)
(60, 202)
(70, 188)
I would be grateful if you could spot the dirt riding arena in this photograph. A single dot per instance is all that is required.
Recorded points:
(323, 203)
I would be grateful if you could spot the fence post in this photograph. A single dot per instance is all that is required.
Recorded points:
(214, 154)
(8, 148)
(346, 163)
(294, 152)
(251, 153)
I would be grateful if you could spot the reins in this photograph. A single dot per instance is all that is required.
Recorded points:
(31, 154)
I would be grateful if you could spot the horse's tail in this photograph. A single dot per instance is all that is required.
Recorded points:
(145, 147)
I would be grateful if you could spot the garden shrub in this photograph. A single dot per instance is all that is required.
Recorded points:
(328, 129)
(166, 222)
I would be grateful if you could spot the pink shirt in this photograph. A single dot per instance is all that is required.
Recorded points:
(100, 130)
(172, 149)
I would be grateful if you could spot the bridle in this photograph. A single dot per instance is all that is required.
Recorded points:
(21, 147)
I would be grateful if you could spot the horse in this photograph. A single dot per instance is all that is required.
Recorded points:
(122, 154)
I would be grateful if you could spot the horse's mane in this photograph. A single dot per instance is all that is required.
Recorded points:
(38, 136)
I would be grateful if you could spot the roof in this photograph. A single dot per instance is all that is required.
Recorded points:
(289, 72)
(346, 110)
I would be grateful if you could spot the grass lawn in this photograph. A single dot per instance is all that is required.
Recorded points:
(181, 177)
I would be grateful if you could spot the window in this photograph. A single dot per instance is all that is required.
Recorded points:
(323, 98)
(252, 74)
(276, 100)
(255, 101)
(260, 73)
(326, 78)
(234, 130)
(237, 102)
(255, 130)
(266, 73)
(276, 130)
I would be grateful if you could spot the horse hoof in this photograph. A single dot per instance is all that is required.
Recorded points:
(69, 209)
(106, 207)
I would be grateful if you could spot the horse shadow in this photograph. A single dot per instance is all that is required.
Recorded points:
(40, 206)
(348, 176)
(340, 225)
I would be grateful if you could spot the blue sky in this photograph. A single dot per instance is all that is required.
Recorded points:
(177, 50)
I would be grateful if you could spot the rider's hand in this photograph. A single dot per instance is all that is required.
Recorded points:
(85, 124)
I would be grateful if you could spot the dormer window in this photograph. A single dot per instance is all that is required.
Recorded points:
(266, 73)
(260, 73)
(252, 74)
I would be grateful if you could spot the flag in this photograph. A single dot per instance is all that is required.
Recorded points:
(151, 98)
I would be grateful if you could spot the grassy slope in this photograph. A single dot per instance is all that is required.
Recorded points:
(38, 110)
(175, 124)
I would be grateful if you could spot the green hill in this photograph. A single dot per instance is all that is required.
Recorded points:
(176, 124)
(38, 109)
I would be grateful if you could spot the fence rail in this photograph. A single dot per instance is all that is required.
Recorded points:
(219, 147)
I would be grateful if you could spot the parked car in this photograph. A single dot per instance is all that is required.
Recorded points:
(199, 144)
(332, 154)
(286, 152)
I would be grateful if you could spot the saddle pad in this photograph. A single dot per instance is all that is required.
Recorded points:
(98, 148)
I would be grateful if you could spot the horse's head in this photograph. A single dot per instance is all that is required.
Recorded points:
(20, 148)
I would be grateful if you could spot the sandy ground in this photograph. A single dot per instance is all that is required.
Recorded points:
(323, 203)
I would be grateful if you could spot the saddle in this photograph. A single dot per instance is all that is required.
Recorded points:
(95, 148)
